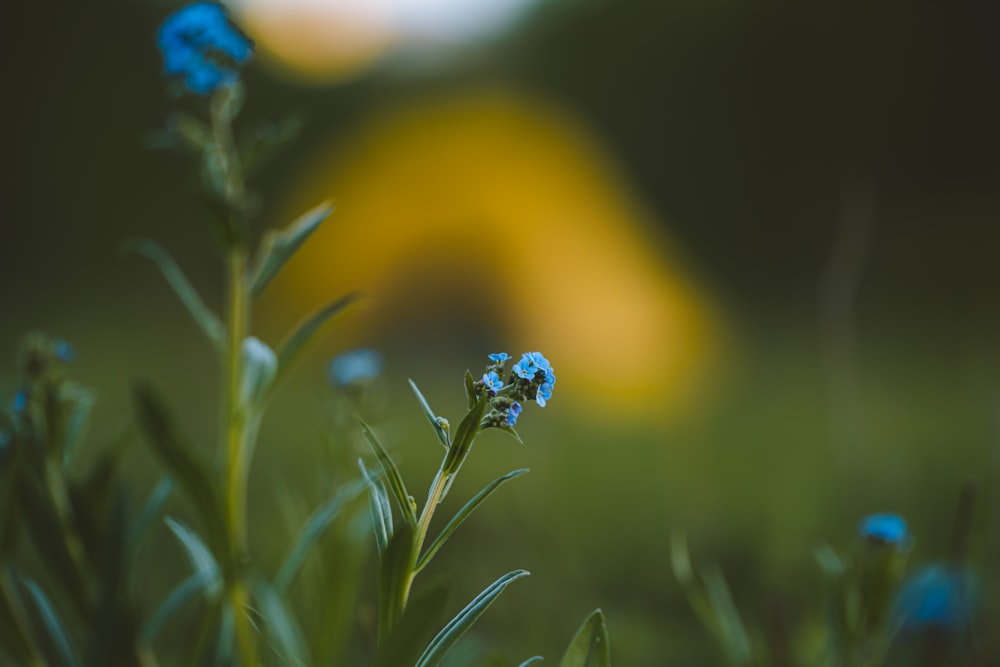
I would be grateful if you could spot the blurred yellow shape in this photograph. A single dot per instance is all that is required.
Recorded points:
(512, 199)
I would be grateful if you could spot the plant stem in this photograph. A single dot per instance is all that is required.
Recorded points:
(237, 465)
(434, 497)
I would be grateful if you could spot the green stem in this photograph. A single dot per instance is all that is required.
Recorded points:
(237, 463)
(434, 497)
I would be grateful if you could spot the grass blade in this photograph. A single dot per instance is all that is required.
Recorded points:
(453, 631)
(297, 341)
(54, 625)
(174, 602)
(277, 247)
(396, 484)
(198, 554)
(312, 530)
(434, 420)
(150, 513)
(463, 514)
(203, 317)
(532, 660)
(381, 511)
(590, 646)
(281, 624)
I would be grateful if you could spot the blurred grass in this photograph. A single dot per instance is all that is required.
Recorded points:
(753, 478)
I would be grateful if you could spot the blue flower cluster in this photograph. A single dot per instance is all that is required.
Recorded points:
(201, 47)
(531, 379)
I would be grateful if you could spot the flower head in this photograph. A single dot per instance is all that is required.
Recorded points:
(499, 357)
(355, 367)
(492, 381)
(884, 529)
(201, 47)
(19, 402)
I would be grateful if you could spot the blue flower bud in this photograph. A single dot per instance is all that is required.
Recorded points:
(937, 596)
(64, 351)
(513, 413)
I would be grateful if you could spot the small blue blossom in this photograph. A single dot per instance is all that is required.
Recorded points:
(513, 413)
(523, 369)
(499, 357)
(937, 596)
(885, 528)
(19, 402)
(201, 46)
(537, 360)
(544, 394)
(492, 381)
(355, 367)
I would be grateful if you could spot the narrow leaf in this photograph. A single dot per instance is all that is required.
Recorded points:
(277, 247)
(730, 626)
(312, 530)
(182, 461)
(296, 342)
(434, 420)
(281, 624)
(396, 484)
(590, 646)
(463, 514)
(378, 501)
(203, 317)
(453, 631)
(198, 554)
(175, 601)
(470, 388)
(54, 626)
(532, 660)
(150, 513)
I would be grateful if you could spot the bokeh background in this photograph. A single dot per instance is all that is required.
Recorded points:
(758, 241)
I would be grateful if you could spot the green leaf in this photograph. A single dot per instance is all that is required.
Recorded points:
(730, 626)
(150, 513)
(590, 646)
(277, 247)
(54, 626)
(532, 660)
(295, 344)
(314, 527)
(393, 571)
(182, 461)
(435, 421)
(281, 624)
(463, 514)
(178, 598)
(453, 631)
(470, 388)
(378, 500)
(416, 627)
(396, 484)
(198, 554)
(465, 434)
(203, 317)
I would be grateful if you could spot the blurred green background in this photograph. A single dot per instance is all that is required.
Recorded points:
(757, 240)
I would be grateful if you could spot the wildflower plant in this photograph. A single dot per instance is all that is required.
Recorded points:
(87, 612)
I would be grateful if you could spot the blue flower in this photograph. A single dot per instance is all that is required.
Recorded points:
(544, 394)
(937, 596)
(513, 413)
(354, 367)
(201, 46)
(537, 360)
(20, 401)
(884, 528)
(524, 369)
(499, 357)
(492, 381)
